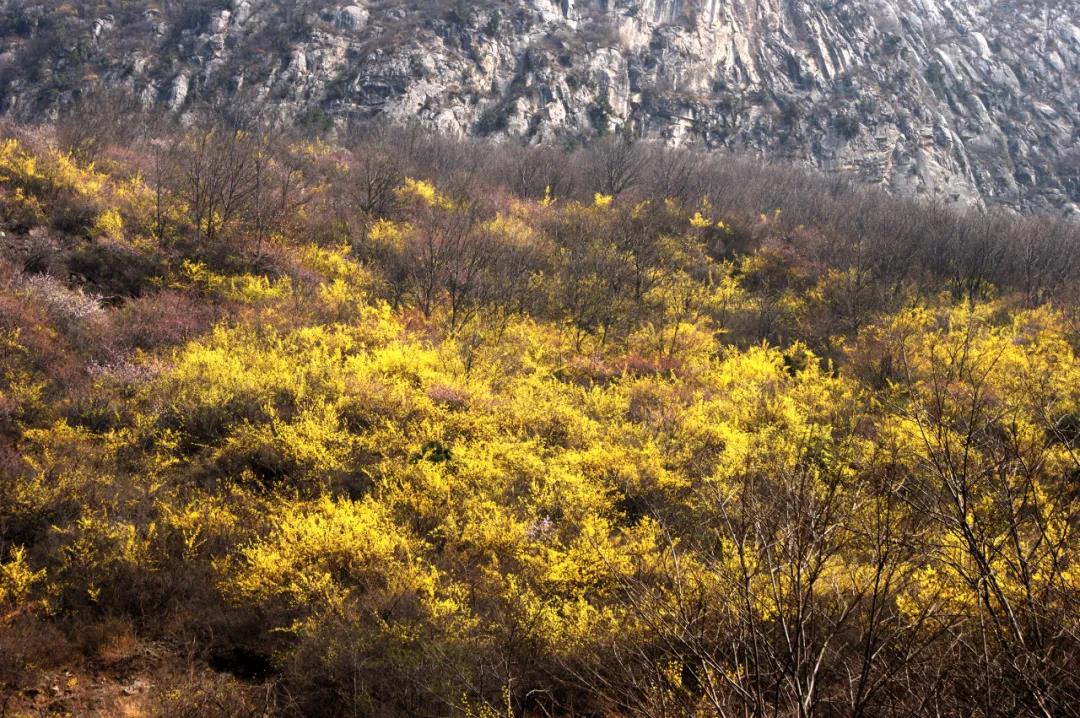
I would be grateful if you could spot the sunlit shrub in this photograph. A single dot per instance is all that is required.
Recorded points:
(425, 446)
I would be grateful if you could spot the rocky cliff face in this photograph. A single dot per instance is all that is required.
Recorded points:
(966, 100)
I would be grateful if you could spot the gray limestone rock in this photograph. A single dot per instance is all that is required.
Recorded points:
(971, 101)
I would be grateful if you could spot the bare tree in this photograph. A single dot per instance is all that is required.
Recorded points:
(614, 164)
(214, 171)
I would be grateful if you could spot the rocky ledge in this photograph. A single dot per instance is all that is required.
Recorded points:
(969, 101)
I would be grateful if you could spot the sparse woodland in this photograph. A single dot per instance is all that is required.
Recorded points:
(402, 425)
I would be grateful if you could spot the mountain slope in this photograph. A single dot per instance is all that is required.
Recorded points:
(965, 100)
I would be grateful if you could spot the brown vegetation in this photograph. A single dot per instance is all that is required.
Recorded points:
(404, 425)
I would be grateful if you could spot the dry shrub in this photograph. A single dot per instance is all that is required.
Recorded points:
(42, 349)
(110, 642)
(205, 694)
(159, 320)
(30, 644)
(114, 268)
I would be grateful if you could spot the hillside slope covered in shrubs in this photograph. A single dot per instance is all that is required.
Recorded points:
(407, 426)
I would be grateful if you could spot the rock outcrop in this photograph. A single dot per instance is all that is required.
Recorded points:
(971, 101)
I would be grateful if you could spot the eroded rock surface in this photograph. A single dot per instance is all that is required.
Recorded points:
(967, 100)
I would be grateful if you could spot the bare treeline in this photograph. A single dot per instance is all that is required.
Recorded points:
(402, 424)
(228, 171)
(894, 235)
(242, 185)
(893, 239)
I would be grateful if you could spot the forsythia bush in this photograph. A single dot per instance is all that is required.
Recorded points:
(17, 578)
(480, 455)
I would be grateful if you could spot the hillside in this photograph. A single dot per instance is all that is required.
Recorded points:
(413, 426)
(964, 100)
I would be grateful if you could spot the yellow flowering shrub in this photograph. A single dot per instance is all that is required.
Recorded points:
(17, 579)
(109, 224)
(425, 192)
(415, 455)
(320, 557)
